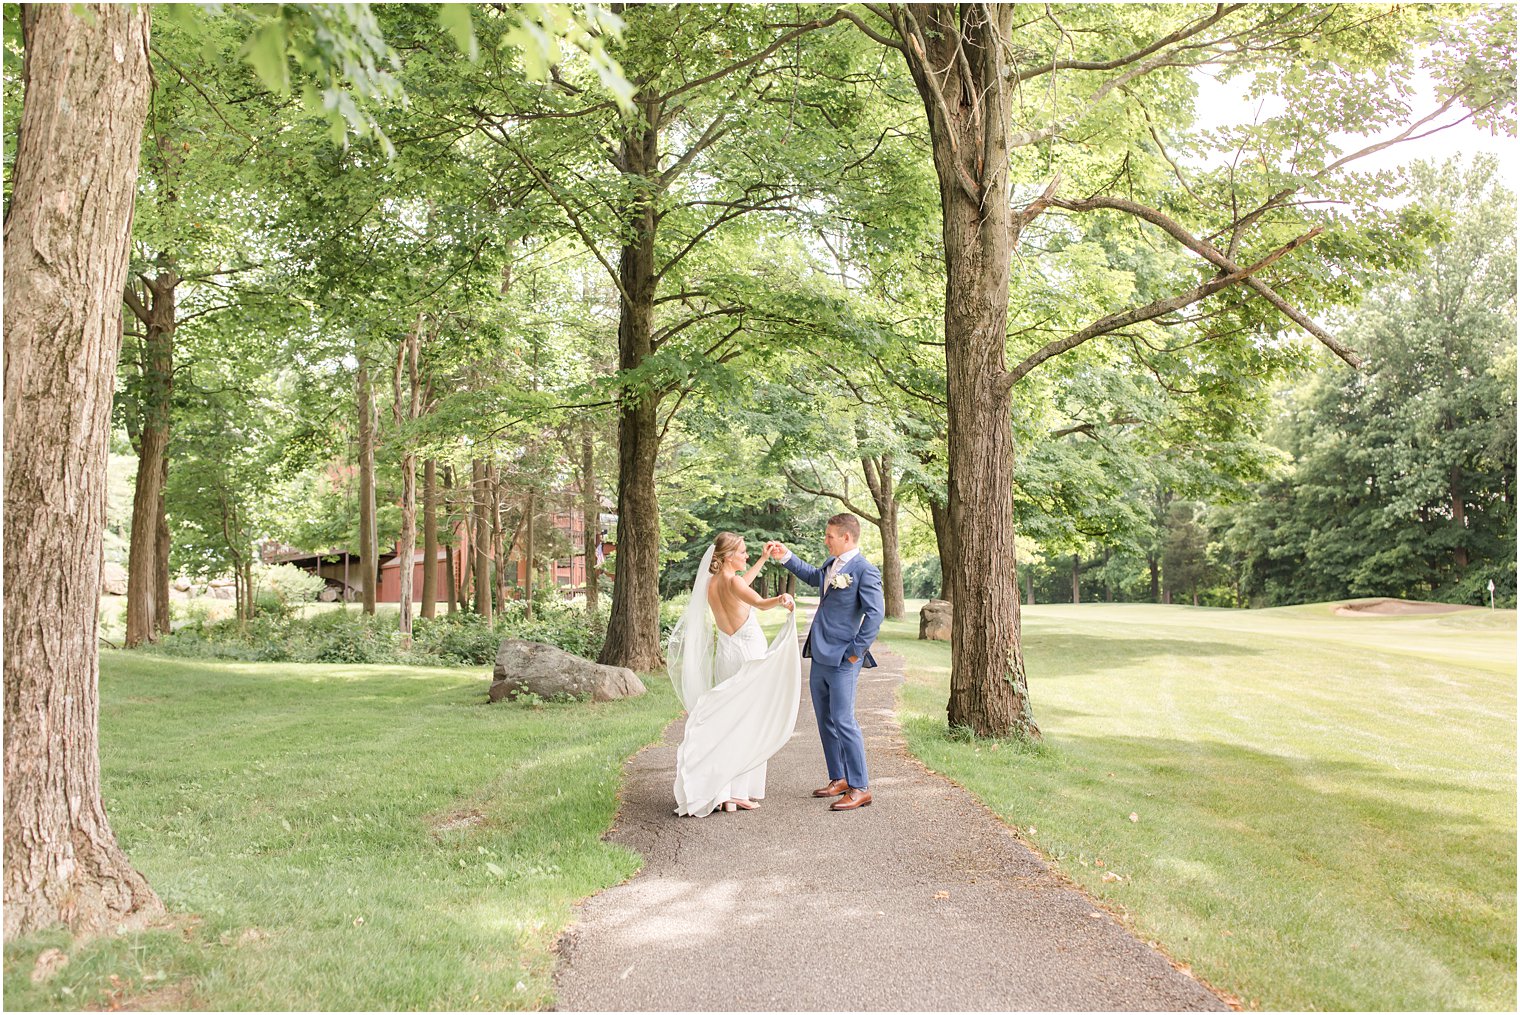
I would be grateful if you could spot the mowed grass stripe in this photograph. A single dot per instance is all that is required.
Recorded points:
(292, 814)
(1326, 810)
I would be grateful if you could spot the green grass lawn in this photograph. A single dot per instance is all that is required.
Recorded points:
(296, 819)
(1325, 805)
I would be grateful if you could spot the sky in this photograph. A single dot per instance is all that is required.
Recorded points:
(1223, 104)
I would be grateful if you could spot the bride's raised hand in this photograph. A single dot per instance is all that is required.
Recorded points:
(788, 601)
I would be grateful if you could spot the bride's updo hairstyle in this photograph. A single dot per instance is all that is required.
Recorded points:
(725, 544)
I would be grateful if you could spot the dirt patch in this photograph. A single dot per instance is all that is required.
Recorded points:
(178, 996)
(1393, 608)
(456, 821)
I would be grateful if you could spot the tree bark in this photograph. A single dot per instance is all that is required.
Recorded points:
(86, 81)
(144, 565)
(591, 523)
(988, 687)
(500, 549)
(883, 488)
(1459, 515)
(406, 541)
(530, 550)
(633, 633)
(161, 614)
(1108, 581)
(1076, 579)
(369, 536)
(430, 538)
(939, 513)
(482, 540)
(1155, 566)
(66, 254)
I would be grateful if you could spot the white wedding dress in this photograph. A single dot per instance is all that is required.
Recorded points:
(741, 696)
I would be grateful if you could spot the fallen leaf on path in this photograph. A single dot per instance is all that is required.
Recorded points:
(941, 895)
(1096, 916)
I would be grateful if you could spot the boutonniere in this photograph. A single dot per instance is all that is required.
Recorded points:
(841, 581)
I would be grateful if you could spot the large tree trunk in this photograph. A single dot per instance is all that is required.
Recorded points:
(591, 523)
(884, 493)
(968, 118)
(369, 536)
(86, 85)
(939, 513)
(633, 633)
(482, 540)
(1076, 579)
(161, 598)
(406, 541)
(144, 565)
(430, 538)
(1155, 566)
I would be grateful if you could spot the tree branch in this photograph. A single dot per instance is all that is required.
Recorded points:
(1135, 315)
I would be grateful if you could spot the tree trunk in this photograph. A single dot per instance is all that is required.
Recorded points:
(591, 523)
(156, 313)
(85, 81)
(161, 613)
(530, 530)
(482, 540)
(1459, 515)
(1155, 566)
(369, 536)
(968, 132)
(430, 538)
(940, 515)
(883, 488)
(633, 633)
(1029, 584)
(1108, 581)
(406, 541)
(500, 550)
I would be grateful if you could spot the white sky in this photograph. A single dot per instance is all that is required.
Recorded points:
(1224, 104)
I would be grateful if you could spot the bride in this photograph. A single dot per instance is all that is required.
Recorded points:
(741, 695)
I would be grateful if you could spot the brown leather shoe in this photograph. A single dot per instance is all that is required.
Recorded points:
(835, 788)
(851, 800)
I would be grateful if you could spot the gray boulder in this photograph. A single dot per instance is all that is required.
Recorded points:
(934, 621)
(549, 672)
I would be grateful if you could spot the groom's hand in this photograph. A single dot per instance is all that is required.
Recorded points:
(775, 550)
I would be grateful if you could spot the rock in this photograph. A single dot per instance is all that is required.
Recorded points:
(526, 666)
(182, 584)
(934, 621)
(113, 579)
(328, 595)
(223, 591)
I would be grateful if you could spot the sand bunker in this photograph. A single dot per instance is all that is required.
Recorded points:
(1393, 608)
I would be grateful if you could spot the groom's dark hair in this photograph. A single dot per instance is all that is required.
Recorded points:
(847, 523)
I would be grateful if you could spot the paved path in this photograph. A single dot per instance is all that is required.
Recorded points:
(920, 902)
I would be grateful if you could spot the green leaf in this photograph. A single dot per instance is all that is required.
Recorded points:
(266, 54)
(456, 20)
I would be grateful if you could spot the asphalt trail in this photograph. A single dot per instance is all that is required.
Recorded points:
(920, 902)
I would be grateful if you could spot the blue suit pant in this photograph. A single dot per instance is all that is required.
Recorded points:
(844, 748)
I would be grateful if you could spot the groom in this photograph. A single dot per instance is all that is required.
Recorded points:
(849, 615)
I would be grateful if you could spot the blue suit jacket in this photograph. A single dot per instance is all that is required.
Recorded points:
(847, 619)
